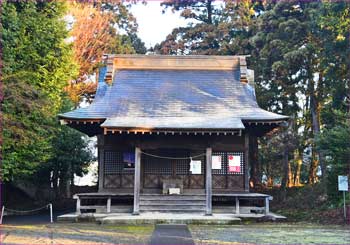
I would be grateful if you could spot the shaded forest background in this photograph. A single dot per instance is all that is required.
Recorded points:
(300, 51)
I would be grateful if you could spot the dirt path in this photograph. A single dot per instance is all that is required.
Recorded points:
(86, 233)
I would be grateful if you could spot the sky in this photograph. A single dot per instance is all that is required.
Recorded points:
(154, 26)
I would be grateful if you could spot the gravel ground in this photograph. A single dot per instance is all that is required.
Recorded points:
(271, 234)
(89, 233)
(74, 234)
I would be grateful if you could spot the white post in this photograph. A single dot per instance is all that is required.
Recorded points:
(51, 214)
(237, 205)
(78, 206)
(344, 206)
(109, 201)
(267, 206)
(2, 214)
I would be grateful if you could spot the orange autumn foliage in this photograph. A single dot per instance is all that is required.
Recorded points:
(91, 33)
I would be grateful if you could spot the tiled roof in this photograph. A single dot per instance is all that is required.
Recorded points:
(193, 99)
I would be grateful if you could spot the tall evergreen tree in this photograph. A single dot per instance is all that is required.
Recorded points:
(37, 64)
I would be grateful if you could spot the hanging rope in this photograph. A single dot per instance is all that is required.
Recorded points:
(172, 158)
(47, 206)
(26, 211)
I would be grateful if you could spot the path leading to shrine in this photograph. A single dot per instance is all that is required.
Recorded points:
(88, 233)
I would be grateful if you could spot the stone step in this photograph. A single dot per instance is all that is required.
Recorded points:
(172, 202)
(242, 209)
(172, 197)
(169, 205)
(171, 209)
(121, 209)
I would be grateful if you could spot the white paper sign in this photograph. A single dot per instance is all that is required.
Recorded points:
(216, 162)
(234, 163)
(343, 183)
(196, 167)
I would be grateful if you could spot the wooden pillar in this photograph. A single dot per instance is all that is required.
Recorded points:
(208, 182)
(246, 159)
(137, 181)
(100, 157)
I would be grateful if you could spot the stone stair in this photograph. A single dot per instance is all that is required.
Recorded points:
(172, 203)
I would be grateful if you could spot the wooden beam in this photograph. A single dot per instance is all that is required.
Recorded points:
(246, 161)
(137, 181)
(208, 183)
(163, 62)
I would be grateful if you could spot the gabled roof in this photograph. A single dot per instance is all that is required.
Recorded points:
(174, 98)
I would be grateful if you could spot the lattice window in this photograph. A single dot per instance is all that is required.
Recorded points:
(182, 167)
(224, 163)
(157, 165)
(161, 166)
(113, 162)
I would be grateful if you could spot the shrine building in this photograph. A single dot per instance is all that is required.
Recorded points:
(173, 133)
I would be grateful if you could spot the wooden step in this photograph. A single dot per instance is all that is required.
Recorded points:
(121, 209)
(172, 208)
(172, 202)
(172, 197)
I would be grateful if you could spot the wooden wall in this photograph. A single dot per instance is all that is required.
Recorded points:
(173, 145)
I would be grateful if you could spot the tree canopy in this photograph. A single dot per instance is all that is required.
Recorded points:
(300, 53)
(37, 66)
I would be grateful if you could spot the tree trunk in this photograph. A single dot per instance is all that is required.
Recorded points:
(290, 176)
(299, 161)
(317, 158)
(313, 168)
(269, 181)
(68, 181)
(284, 182)
(54, 181)
(209, 9)
(255, 169)
(285, 177)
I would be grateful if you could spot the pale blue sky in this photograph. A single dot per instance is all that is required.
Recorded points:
(154, 26)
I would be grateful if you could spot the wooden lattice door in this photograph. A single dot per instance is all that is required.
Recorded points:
(156, 170)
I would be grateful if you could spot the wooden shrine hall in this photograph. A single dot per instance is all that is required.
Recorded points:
(173, 133)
